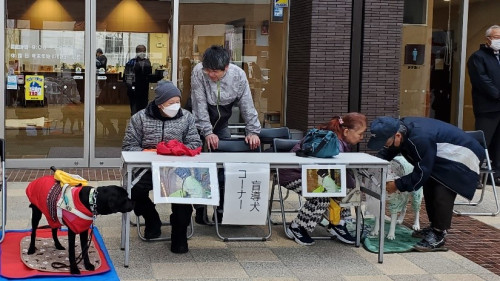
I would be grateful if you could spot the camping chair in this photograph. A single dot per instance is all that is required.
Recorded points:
(3, 188)
(486, 172)
(237, 145)
(282, 145)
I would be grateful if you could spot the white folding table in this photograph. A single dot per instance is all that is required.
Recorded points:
(352, 160)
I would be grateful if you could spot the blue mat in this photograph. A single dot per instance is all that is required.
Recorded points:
(110, 275)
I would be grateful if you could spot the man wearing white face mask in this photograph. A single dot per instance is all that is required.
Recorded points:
(484, 72)
(137, 72)
(162, 120)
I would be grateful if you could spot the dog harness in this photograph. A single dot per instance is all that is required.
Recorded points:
(60, 205)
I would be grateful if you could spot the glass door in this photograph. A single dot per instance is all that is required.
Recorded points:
(126, 33)
(45, 89)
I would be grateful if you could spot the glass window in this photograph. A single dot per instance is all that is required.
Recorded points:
(44, 112)
(122, 26)
(483, 14)
(256, 42)
(415, 12)
(429, 60)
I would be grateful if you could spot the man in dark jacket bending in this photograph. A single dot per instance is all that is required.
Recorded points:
(446, 162)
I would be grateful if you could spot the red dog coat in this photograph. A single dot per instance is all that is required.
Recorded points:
(45, 192)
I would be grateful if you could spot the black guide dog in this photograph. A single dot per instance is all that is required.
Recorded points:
(46, 194)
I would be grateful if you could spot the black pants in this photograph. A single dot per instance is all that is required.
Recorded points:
(181, 213)
(489, 123)
(138, 100)
(439, 202)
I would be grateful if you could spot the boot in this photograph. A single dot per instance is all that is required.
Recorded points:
(153, 223)
(200, 215)
(179, 237)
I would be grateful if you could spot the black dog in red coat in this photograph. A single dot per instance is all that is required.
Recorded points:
(75, 208)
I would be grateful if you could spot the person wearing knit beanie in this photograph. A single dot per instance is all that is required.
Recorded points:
(165, 91)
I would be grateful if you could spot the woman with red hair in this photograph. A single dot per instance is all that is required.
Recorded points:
(349, 129)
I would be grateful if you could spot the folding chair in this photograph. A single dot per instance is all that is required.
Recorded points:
(238, 145)
(282, 145)
(267, 135)
(3, 188)
(485, 172)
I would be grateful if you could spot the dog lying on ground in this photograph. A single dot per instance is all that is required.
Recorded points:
(75, 208)
(397, 201)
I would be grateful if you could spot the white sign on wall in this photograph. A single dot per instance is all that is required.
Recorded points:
(246, 196)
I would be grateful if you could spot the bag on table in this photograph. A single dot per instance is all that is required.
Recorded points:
(319, 143)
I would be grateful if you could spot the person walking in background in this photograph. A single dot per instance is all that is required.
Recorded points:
(484, 73)
(216, 87)
(162, 120)
(446, 163)
(136, 76)
(349, 129)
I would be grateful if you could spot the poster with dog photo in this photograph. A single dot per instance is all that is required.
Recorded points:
(185, 183)
(324, 181)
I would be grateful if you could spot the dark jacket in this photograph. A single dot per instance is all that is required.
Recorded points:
(439, 150)
(484, 72)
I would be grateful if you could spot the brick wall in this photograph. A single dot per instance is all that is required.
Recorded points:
(299, 45)
(319, 60)
(383, 23)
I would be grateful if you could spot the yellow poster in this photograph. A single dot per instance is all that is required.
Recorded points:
(34, 87)
(281, 3)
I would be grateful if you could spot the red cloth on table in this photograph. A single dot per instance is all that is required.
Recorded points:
(174, 147)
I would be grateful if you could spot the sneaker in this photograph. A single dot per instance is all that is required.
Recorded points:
(433, 241)
(341, 233)
(422, 233)
(301, 236)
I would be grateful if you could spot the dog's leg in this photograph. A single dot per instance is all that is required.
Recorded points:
(392, 229)
(376, 226)
(73, 267)
(84, 238)
(36, 216)
(416, 204)
(402, 215)
(57, 244)
(416, 222)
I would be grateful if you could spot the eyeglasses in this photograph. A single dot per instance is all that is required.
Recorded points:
(208, 71)
(493, 37)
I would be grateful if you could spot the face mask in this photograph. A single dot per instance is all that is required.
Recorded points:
(495, 44)
(142, 55)
(171, 110)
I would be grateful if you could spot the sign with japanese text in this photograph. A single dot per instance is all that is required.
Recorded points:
(324, 181)
(34, 87)
(246, 196)
(185, 183)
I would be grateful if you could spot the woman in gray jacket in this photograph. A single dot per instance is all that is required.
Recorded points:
(162, 120)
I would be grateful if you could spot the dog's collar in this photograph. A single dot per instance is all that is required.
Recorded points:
(93, 200)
